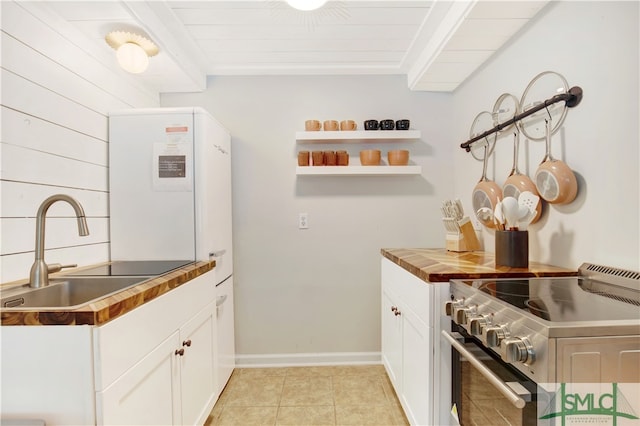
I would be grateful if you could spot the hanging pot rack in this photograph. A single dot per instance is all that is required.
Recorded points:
(571, 99)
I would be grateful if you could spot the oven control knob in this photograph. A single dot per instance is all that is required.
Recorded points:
(477, 324)
(496, 334)
(462, 313)
(450, 305)
(517, 349)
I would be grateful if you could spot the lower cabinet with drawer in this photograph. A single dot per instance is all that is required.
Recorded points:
(153, 365)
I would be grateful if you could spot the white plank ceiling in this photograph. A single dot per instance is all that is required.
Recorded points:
(436, 44)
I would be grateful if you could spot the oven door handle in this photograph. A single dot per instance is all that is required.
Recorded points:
(496, 381)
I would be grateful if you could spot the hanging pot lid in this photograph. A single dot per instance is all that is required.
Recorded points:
(506, 107)
(543, 86)
(482, 123)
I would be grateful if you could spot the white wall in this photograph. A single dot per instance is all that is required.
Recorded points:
(318, 290)
(55, 101)
(595, 46)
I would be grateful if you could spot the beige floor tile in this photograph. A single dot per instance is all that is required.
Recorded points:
(308, 371)
(378, 415)
(326, 395)
(359, 390)
(214, 416)
(254, 391)
(392, 397)
(357, 370)
(245, 416)
(260, 372)
(306, 415)
(312, 390)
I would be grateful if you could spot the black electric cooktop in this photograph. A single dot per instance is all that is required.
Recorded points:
(133, 268)
(564, 299)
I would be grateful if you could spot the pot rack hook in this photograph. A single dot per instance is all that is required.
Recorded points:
(487, 147)
(546, 107)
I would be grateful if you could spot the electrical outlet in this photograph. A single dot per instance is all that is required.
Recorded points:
(303, 221)
(476, 224)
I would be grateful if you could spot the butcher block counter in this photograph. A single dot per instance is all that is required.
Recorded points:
(439, 265)
(108, 308)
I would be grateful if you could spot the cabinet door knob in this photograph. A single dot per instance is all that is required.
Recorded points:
(186, 343)
(394, 309)
(397, 312)
(180, 352)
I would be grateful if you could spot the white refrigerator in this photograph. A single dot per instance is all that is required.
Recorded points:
(170, 198)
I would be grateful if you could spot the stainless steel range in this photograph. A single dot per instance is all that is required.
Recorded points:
(583, 329)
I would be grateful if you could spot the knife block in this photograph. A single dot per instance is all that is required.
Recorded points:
(465, 239)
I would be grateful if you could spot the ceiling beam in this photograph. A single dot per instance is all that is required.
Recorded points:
(438, 28)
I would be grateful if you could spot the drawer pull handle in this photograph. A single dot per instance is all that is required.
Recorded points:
(180, 352)
(187, 343)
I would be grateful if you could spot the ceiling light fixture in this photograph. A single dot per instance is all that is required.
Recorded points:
(132, 50)
(306, 4)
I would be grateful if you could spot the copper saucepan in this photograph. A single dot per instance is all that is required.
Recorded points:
(555, 181)
(517, 182)
(485, 194)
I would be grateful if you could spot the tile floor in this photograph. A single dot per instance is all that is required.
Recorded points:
(300, 396)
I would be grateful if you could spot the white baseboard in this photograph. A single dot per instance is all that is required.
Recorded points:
(308, 359)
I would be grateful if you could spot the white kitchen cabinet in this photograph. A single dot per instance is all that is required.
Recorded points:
(225, 349)
(417, 368)
(47, 374)
(358, 137)
(153, 365)
(407, 340)
(197, 366)
(179, 371)
(148, 394)
(416, 360)
(391, 336)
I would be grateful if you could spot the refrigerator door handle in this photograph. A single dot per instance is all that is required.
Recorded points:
(221, 149)
(220, 300)
(217, 253)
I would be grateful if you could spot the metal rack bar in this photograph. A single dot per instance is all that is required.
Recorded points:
(572, 98)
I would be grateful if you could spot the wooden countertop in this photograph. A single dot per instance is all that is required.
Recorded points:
(110, 307)
(440, 265)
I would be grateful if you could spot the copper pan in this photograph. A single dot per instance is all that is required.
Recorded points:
(555, 181)
(486, 193)
(517, 182)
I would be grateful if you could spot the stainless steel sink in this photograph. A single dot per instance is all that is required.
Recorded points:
(67, 292)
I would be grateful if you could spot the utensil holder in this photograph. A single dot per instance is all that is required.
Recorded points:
(512, 249)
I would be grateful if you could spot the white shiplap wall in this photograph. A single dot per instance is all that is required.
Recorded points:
(55, 102)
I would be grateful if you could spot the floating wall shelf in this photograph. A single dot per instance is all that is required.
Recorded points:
(358, 170)
(357, 136)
